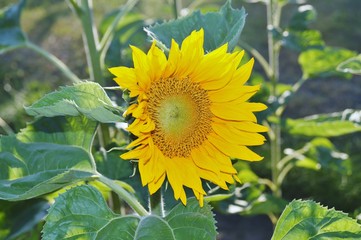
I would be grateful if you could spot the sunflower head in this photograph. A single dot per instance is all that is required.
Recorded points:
(191, 116)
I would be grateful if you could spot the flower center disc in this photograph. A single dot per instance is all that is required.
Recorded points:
(180, 110)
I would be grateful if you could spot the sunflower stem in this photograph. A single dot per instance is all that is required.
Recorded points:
(273, 20)
(84, 11)
(156, 203)
(123, 194)
(177, 6)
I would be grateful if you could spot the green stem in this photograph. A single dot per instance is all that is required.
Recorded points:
(258, 56)
(91, 42)
(285, 160)
(156, 204)
(123, 194)
(6, 127)
(284, 172)
(54, 60)
(177, 6)
(273, 16)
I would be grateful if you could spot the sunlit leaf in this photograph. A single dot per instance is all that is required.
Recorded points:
(10, 31)
(352, 65)
(45, 156)
(303, 40)
(86, 98)
(322, 154)
(76, 131)
(87, 216)
(219, 27)
(306, 220)
(323, 62)
(29, 170)
(326, 125)
(326, 155)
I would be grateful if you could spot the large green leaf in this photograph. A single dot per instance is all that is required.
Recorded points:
(45, 156)
(326, 125)
(76, 131)
(86, 98)
(304, 220)
(10, 30)
(29, 170)
(352, 65)
(219, 28)
(81, 212)
(323, 62)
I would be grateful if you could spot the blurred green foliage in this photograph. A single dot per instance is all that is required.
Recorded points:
(25, 77)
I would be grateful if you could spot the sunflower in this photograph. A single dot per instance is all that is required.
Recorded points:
(191, 115)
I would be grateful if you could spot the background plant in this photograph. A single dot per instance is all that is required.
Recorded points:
(60, 123)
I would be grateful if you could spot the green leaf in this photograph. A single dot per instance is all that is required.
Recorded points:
(305, 15)
(326, 125)
(10, 31)
(86, 98)
(86, 215)
(326, 155)
(29, 170)
(351, 65)
(304, 220)
(192, 221)
(82, 212)
(76, 131)
(320, 153)
(323, 62)
(112, 166)
(21, 217)
(303, 40)
(219, 28)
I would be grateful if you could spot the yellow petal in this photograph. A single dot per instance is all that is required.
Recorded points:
(173, 59)
(125, 77)
(232, 112)
(137, 153)
(191, 53)
(141, 68)
(244, 72)
(232, 150)
(156, 184)
(157, 60)
(146, 170)
(231, 92)
(238, 137)
(242, 125)
(224, 162)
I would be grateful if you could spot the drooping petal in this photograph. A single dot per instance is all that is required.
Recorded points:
(233, 150)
